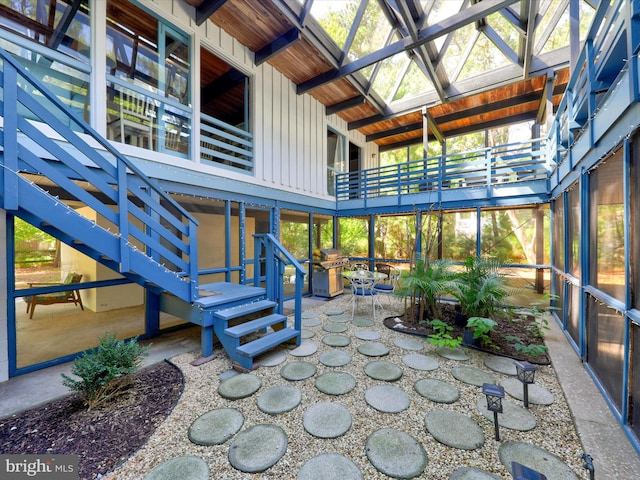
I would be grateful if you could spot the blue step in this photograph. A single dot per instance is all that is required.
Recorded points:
(254, 325)
(241, 310)
(267, 342)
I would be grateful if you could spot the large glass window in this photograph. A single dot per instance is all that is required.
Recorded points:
(558, 232)
(322, 231)
(394, 236)
(148, 88)
(574, 219)
(336, 159)
(294, 233)
(459, 232)
(353, 236)
(606, 232)
(634, 235)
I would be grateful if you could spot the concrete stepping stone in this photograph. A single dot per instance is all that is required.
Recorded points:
(387, 398)
(336, 340)
(228, 374)
(472, 376)
(535, 458)
(272, 358)
(279, 399)
(240, 386)
(335, 383)
(499, 364)
(189, 466)
(257, 448)
(417, 361)
(305, 315)
(537, 394)
(513, 416)
(383, 370)
(472, 473)
(296, 371)
(396, 454)
(327, 420)
(409, 343)
(311, 322)
(333, 311)
(457, 353)
(335, 358)
(216, 426)
(335, 327)
(339, 318)
(304, 349)
(367, 335)
(436, 390)
(305, 333)
(329, 466)
(373, 349)
(454, 429)
(363, 322)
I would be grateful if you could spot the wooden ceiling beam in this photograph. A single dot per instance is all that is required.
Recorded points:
(483, 109)
(412, 127)
(281, 43)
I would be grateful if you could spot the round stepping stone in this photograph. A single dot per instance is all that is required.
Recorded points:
(304, 349)
(395, 453)
(513, 416)
(279, 399)
(327, 420)
(333, 311)
(271, 359)
(409, 343)
(329, 465)
(472, 376)
(363, 322)
(191, 467)
(335, 383)
(387, 398)
(382, 370)
(436, 390)
(367, 335)
(537, 394)
(339, 319)
(535, 458)
(311, 322)
(335, 327)
(335, 358)
(305, 315)
(257, 448)
(240, 386)
(306, 333)
(458, 354)
(471, 473)
(216, 427)
(454, 429)
(336, 340)
(418, 361)
(373, 349)
(298, 371)
(502, 365)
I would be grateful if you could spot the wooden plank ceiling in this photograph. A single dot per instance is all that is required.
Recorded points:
(272, 30)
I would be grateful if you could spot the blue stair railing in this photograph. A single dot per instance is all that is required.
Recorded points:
(270, 254)
(126, 221)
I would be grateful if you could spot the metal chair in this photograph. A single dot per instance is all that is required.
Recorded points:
(389, 287)
(362, 286)
(354, 267)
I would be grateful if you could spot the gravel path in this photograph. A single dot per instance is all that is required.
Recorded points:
(554, 432)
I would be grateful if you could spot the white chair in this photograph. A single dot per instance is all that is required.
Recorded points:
(389, 287)
(355, 267)
(134, 123)
(362, 287)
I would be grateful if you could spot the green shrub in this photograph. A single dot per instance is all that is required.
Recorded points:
(105, 371)
(481, 328)
(533, 350)
(442, 336)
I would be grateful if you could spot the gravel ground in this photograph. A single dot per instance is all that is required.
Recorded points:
(554, 432)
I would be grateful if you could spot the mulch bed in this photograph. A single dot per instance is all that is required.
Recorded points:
(104, 437)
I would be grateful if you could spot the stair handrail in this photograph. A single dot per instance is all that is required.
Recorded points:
(146, 187)
(276, 257)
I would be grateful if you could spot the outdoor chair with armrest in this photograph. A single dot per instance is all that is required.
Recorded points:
(67, 296)
(362, 286)
(389, 287)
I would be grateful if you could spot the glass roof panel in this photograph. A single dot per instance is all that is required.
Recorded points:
(372, 33)
(385, 78)
(505, 29)
(454, 56)
(442, 9)
(484, 57)
(336, 17)
(413, 83)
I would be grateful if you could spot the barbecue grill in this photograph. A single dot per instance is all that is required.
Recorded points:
(327, 272)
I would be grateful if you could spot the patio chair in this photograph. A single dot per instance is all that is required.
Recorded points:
(389, 287)
(354, 267)
(362, 286)
(67, 296)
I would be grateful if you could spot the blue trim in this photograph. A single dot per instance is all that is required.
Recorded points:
(11, 304)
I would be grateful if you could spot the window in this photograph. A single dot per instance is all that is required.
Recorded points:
(336, 159)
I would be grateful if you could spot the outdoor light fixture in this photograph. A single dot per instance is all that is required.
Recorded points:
(494, 394)
(526, 373)
(520, 472)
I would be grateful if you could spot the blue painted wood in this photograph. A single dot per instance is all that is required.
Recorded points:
(245, 309)
(254, 325)
(263, 344)
(226, 295)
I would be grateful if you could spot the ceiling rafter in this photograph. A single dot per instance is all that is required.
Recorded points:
(529, 41)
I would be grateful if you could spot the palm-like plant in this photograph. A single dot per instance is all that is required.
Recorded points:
(423, 284)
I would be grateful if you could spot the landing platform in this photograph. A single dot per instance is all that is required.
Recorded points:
(221, 293)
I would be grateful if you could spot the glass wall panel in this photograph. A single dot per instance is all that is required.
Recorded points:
(294, 233)
(634, 229)
(558, 302)
(459, 231)
(573, 222)
(605, 347)
(634, 407)
(509, 236)
(353, 236)
(558, 232)
(257, 221)
(336, 159)
(322, 231)
(394, 236)
(606, 232)
(573, 312)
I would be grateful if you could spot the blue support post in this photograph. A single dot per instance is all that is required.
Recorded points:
(152, 314)
(10, 133)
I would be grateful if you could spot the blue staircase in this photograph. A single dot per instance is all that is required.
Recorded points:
(127, 223)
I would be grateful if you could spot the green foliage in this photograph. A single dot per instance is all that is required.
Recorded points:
(425, 283)
(442, 336)
(480, 288)
(481, 328)
(532, 350)
(104, 371)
